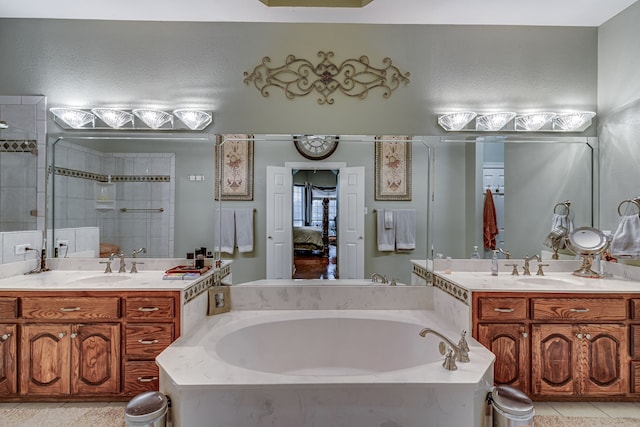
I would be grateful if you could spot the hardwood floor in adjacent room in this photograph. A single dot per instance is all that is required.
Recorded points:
(315, 266)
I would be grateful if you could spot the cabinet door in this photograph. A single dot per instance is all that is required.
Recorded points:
(45, 361)
(554, 360)
(96, 358)
(8, 360)
(510, 344)
(603, 359)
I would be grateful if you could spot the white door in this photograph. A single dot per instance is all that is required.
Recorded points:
(278, 217)
(351, 223)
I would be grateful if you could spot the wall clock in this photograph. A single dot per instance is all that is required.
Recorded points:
(316, 147)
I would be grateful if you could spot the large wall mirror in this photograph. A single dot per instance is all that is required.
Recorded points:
(163, 194)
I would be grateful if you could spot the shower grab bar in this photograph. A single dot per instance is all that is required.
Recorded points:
(141, 210)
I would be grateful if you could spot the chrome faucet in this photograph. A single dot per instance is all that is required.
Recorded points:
(134, 263)
(525, 268)
(376, 276)
(108, 268)
(507, 254)
(459, 353)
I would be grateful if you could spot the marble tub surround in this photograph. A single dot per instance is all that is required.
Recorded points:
(351, 294)
(208, 385)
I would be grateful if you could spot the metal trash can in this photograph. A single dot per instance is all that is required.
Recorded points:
(511, 407)
(147, 409)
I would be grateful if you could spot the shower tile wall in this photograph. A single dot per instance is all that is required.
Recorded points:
(75, 198)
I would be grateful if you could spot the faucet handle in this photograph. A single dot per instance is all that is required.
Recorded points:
(394, 281)
(514, 272)
(108, 268)
(463, 344)
(540, 272)
(134, 269)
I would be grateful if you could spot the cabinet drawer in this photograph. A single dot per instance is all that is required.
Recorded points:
(502, 308)
(141, 376)
(149, 308)
(588, 309)
(634, 345)
(147, 341)
(8, 308)
(635, 308)
(70, 308)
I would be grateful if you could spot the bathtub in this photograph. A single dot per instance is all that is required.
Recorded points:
(322, 368)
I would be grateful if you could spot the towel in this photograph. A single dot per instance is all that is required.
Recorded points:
(405, 229)
(244, 230)
(226, 238)
(388, 219)
(386, 236)
(626, 239)
(562, 221)
(489, 222)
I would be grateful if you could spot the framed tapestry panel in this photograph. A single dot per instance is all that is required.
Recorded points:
(393, 167)
(235, 159)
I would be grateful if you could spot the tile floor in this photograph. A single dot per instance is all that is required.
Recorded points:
(565, 409)
(589, 409)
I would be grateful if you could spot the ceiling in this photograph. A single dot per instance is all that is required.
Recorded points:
(590, 13)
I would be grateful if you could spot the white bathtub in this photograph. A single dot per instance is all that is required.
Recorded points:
(322, 368)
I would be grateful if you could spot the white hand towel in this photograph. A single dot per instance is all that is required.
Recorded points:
(386, 236)
(226, 239)
(562, 221)
(388, 219)
(626, 239)
(244, 230)
(405, 229)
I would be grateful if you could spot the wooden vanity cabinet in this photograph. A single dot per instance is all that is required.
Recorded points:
(8, 346)
(580, 346)
(65, 345)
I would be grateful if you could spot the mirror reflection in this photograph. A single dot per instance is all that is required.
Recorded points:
(192, 191)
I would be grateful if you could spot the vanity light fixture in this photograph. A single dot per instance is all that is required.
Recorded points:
(456, 121)
(533, 121)
(194, 119)
(112, 117)
(106, 118)
(571, 122)
(506, 121)
(73, 117)
(493, 121)
(3, 125)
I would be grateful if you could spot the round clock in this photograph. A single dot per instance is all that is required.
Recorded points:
(316, 147)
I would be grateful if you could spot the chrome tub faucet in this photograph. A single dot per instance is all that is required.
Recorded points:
(376, 276)
(460, 352)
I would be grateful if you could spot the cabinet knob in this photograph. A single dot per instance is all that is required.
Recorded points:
(61, 335)
(73, 335)
(525, 335)
(4, 337)
(587, 336)
(579, 336)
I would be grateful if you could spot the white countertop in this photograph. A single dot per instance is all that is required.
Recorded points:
(76, 280)
(551, 282)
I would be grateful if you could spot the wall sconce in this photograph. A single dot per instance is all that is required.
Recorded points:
(546, 121)
(101, 118)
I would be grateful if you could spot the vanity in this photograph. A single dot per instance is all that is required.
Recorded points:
(555, 337)
(87, 335)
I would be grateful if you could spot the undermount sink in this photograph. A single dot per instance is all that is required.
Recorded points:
(102, 279)
(549, 281)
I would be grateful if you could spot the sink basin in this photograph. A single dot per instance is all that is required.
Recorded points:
(549, 281)
(102, 279)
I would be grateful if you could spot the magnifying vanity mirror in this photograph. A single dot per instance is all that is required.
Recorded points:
(587, 242)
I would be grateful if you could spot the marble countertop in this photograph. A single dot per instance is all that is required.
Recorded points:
(551, 282)
(87, 280)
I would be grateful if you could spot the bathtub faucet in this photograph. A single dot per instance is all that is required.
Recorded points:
(459, 353)
(376, 276)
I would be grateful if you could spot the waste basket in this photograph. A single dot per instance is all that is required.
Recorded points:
(147, 409)
(511, 407)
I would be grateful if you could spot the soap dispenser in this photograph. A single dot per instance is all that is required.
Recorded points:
(475, 254)
(494, 263)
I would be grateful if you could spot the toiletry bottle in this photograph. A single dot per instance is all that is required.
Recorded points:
(494, 263)
(475, 254)
(448, 262)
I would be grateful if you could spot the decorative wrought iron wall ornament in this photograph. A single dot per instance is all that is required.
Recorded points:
(353, 77)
